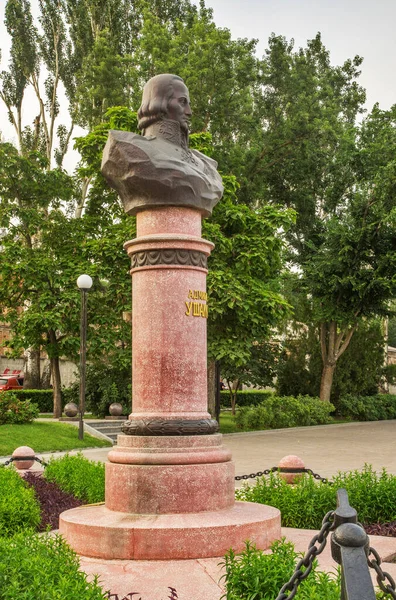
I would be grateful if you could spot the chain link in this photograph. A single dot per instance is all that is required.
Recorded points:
(282, 470)
(316, 546)
(385, 581)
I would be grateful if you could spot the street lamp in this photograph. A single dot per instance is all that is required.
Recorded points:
(84, 283)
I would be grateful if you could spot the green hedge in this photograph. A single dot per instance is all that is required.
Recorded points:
(245, 397)
(284, 411)
(304, 504)
(367, 408)
(77, 475)
(43, 398)
(254, 574)
(19, 509)
(43, 568)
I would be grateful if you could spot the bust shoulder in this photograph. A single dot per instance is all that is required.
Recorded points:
(150, 171)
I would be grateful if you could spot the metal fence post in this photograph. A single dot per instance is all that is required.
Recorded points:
(349, 548)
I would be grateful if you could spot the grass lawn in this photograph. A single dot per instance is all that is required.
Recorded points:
(45, 437)
(227, 423)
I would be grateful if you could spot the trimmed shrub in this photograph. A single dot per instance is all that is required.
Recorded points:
(255, 574)
(79, 476)
(43, 398)
(42, 567)
(19, 509)
(304, 504)
(245, 397)
(368, 408)
(14, 411)
(285, 411)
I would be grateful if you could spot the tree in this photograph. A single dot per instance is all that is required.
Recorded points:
(311, 154)
(359, 372)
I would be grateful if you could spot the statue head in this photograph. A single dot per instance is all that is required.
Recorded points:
(165, 97)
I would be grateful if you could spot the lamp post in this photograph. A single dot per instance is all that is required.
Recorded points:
(84, 283)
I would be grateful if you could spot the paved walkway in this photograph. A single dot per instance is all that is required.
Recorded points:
(325, 449)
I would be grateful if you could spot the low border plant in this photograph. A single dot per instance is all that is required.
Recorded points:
(304, 504)
(77, 475)
(19, 508)
(285, 411)
(41, 567)
(254, 574)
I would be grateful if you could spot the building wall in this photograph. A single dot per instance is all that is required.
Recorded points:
(69, 371)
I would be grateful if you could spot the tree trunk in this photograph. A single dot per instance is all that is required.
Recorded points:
(212, 388)
(233, 387)
(326, 382)
(333, 342)
(32, 369)
(46, 376)
(55, 375)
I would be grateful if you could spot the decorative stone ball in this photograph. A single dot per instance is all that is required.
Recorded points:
(71, 409)
(21, 452)
(291, 461)
(115, 409)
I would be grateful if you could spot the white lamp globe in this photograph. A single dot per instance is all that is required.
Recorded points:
(84, 282)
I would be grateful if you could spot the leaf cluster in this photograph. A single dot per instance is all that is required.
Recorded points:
(255, 574)
(19, 509)
(14, 411)
(304, 504)
(277, 412)
(43, 566)
(78, 476)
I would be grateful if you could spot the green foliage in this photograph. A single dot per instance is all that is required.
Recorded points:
(43, 567)
(304, 504)
(78, 476)
(284, 411)
(15, 411)
(367, 408)
(358, 372)
(106, 382)
(245, 397)
(255, 574)
(245, 303)
(392, 332)
(42, 398)
(19, 509)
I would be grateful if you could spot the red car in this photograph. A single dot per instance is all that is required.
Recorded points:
(11, 382)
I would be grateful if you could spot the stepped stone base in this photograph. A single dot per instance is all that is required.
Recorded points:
(96, 531)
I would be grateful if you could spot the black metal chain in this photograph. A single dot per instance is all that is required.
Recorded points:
(23, 459)
(316, 547)
(283, 470)
(385, 581)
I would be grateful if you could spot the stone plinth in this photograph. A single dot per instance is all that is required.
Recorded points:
(98, 532)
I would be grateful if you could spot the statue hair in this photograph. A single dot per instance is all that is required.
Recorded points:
(156, 95)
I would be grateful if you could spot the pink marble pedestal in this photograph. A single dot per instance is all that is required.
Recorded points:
(169, 497)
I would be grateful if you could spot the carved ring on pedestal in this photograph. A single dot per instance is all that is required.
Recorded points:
(169, 256)
(148, 427)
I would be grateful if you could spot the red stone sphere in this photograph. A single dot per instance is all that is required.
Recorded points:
(291, 461)
(20, 453)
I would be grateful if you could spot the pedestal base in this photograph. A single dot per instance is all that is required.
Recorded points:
(98, 532)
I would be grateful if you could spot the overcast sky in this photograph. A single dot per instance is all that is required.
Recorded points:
(348, 27)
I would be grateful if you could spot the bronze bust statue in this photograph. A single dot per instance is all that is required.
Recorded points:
(157, 168)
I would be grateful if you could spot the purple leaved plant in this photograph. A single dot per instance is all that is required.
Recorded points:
(53, 501)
